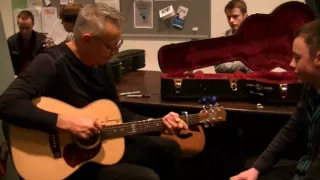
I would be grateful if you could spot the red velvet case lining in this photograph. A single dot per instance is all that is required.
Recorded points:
(263, 42)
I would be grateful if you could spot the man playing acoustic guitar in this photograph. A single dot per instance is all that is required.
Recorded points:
(77, 73)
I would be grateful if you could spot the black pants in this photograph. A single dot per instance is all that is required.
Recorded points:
(284, 170)
(145, 158)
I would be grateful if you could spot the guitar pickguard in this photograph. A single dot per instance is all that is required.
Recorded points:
(74, 155)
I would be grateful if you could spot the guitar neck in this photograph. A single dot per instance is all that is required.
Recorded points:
(139, 127)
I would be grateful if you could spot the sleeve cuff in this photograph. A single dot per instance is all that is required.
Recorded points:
(261, 165)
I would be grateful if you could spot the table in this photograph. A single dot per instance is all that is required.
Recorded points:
(148, 82)
(258, 126)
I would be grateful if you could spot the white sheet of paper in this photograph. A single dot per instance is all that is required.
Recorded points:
(57, 33)
(143, 13)
(48, 15)
(63, 2)
(113, 3)
(36, 11)
(47, 2)
(34, 3)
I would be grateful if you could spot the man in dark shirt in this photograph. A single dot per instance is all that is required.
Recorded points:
(306, 61)
(25, 44)
(77, 73)
(236, 13)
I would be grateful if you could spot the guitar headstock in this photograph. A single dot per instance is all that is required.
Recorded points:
(212, 113)
(48, 42)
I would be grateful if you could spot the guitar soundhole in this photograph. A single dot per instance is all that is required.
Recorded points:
(74, 155)
(88, 143)
(81, 150)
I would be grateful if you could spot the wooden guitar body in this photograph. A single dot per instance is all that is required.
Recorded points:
(41, 155)
(191, 141)
(32, 154)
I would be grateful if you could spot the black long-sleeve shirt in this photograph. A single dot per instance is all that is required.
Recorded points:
(59, 74)
(298, 124)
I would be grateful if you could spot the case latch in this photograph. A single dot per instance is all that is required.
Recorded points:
(283, 90)
(177, 84)
(233, 85)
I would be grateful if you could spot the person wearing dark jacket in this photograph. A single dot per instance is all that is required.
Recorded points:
(78, 73)
(25, 44)
(305, 120)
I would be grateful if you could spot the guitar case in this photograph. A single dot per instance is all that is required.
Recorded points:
(127, 61)
(263, 42)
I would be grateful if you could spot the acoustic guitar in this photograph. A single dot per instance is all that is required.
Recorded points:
(191, 141)
(54, 156)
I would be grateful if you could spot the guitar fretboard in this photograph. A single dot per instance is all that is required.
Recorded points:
(139, 127)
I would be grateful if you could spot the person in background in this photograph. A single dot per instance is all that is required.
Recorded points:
(78, 73)
(304, 122)
(68, 15)
(236, 12)
(25, 44)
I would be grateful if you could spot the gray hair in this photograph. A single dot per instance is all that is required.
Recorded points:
(92, 18)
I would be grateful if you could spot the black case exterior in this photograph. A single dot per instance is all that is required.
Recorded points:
(230, 90)
(127, 61)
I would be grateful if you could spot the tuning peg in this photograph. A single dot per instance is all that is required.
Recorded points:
(212, 99)
(203, 100)
(210, 107)
(204, 108)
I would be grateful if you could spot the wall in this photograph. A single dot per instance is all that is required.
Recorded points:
(218, 26)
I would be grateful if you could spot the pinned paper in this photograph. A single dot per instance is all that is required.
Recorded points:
(167, 12)
(143, 13)
(34, 3)
(47, 2)
(64, 2)
(179, 20)
(48, 15)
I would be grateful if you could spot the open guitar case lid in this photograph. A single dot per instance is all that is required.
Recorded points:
(263, 42)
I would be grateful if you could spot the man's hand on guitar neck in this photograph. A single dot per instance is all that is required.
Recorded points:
(86, 127)
(81, 126)
(173, 123)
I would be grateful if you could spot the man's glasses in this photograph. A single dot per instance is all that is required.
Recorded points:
(113, 49)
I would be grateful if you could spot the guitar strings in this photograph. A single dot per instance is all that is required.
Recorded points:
(191, 118)
(136, 127)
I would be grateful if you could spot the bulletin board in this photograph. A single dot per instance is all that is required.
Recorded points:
(199, 15)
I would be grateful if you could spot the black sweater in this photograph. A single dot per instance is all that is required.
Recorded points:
(297, 125)
(59, 74)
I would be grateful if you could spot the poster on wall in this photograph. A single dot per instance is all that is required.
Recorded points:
(34, 3)
(64, 2)
(143, 14)
(180, 18)
(48, 15)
